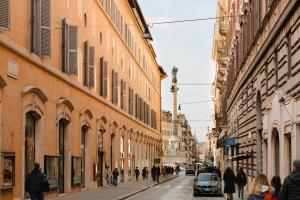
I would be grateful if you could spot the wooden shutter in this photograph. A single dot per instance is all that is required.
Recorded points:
(65, 46)
(101, 76)
(34, 26)
(4, 14)
(105, 79)
(136, 105)
(91, 67)
(116, 88)
(45, 28)
(73, 50)
(113, 86)
(86, 64)
(122, 95)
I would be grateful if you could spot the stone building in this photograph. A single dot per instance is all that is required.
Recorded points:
(79, 90)
(257, 86)
(177, 148)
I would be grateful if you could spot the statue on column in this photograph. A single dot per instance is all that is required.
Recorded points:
(174, 74)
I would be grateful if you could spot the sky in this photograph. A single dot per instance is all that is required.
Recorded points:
(188, 46)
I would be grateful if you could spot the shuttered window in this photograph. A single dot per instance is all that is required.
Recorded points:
(136, 106)
(4, 14)
(114, 91)
(123, 94)
(40, 27)
(69, 48)
(103, 77)
(89, 63)
(130, 101)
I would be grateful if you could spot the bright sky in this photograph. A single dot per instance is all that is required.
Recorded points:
(188, 46)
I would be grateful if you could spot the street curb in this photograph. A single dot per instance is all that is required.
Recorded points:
(145, 188)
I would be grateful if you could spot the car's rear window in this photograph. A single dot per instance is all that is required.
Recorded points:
(207, 177)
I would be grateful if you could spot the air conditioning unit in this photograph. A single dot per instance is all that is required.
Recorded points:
(122, 154)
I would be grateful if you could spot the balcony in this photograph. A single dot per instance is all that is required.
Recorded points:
(223, 26)
(223, 57)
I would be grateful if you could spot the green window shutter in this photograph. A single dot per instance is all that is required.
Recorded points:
(86, 64)
(73, 50)
(91, 67)
(45, 28)
(4, 14)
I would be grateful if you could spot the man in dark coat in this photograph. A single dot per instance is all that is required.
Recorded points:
(291, 185)
(153, 171)
(36, 183)
(241, 181)
(230, 180)
(157, 173)
(137, 173)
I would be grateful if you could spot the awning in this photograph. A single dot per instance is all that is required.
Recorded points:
(242, 156)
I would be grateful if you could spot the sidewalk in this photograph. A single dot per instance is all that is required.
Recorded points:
(124, 190)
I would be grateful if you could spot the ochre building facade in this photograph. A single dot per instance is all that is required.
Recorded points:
(257, 85)
(79, 90)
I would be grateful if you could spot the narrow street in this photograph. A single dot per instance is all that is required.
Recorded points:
(180, 188)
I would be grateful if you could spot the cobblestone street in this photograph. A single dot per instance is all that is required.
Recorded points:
(180, 188)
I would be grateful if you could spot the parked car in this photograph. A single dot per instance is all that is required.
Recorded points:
(207, 183)
(190, 170)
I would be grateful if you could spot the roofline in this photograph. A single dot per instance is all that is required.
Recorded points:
(162, 72)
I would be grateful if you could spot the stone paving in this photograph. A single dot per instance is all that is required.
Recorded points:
(110, 193)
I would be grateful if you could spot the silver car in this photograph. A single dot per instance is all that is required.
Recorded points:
(207, 183)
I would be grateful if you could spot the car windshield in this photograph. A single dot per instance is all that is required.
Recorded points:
(207, 177)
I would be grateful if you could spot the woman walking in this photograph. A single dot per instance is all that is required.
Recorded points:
(230, 180)
(108, 175)
(241, 182)
(261, 189)
(276, 184)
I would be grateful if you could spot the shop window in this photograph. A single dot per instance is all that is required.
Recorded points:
(51, 170)
(7, 179)
(76, 171)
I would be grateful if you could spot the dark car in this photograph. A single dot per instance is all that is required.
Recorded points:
(190, 170)
(207, 183)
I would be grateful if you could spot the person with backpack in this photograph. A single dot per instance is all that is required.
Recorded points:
(36, 183)
(261, 189)
(241, 181)
(291, 184)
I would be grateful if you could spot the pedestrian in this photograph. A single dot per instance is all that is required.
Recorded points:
(177, 169)
(108, 176)
(291, 184)
(147, 173)
(137, 173)
(36, 183)
(144, 173)
(218, 172)
(261, 189)
(153, 173)
(276, 184)
(230, 180)
(157, 173)
(241, 181)
(115, 177)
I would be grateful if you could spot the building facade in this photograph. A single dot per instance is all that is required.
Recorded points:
(178, 148)
(79, 90)
(259, 89)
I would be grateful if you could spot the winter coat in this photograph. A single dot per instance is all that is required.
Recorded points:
(137, 172)
(291, 187)
(36, 182)
(229, 179)
(115, 173)
(241, 179)
(144, 172)
(263, 196)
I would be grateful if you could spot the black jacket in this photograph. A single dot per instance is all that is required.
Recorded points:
(241, 179)
(291, 187)
(36, 182)
(229, 179)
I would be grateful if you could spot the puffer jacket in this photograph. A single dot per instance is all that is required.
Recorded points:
(291, 187)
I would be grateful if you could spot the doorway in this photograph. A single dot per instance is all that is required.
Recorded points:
(84, 131)
(61, 151)
(276, 150)
(100, 168)
(112, 156)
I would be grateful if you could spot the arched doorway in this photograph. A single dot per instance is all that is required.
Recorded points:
(84, 132)
(276, 152)
(259, 130)
(32, 119)
(62, 129)
(112, 154)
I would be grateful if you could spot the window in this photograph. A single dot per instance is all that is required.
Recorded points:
(130, 101)
(89, 62)
(69, 48)
(114, 90)
(4, 14)
(7, 179)
(40, 27)
(51, 170)
(76, 171)
(123, 94)
(103, 77)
